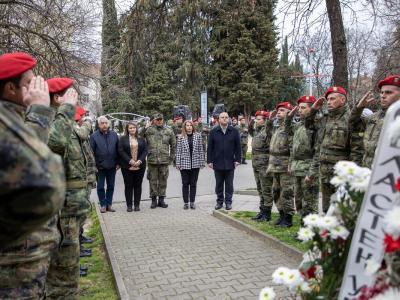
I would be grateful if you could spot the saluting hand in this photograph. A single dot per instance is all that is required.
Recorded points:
(366, 100)
(272, 115)
(293, 111)
(318, 104)
(70, 97)
(37, 92)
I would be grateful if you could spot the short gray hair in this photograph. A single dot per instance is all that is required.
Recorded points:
(102, 118)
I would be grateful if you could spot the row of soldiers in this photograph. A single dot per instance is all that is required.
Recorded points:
(296, 159)
(47, 171)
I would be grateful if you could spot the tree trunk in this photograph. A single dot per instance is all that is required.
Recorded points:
(339, 44)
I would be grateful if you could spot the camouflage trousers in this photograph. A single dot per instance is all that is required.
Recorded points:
(264, 188)
(306, 195)
(327, 189)
(24, 266)
(282, 186)
(157, 176)
(63, 276)
(244, 151)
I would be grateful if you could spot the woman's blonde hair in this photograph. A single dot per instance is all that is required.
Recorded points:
(184, 133)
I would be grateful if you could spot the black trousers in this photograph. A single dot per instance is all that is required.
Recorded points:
(224, 178)
(133, 185)
(189, 184)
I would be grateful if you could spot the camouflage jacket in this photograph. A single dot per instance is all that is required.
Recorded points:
(333, 135)
(244, 134)
(32, 183)
(161, 143)
(84, 132)
(303, 148)
(372, 127)
(260, 147)
(65, 141)
(177, 129)
(279, 149)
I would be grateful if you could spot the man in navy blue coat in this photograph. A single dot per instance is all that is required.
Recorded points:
(104, 143)
(224, 155)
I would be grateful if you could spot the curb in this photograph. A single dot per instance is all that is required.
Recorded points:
(246, 192)
(119, 282)
(268, 239)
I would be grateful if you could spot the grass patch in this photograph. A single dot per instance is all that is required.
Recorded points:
(248, 155)
(99, 283)
(285, 235)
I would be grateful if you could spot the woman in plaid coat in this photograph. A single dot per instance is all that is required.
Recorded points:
(189, 160)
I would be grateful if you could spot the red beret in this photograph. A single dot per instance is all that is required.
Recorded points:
(391, 80)
(335, 89)
(306, 99)
(286, 105)
(14, 64)
(57, 85)
(178, 118)
(79, 112)
(262, 113)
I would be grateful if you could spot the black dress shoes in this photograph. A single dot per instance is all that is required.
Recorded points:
(228, 206)
(129, 209)
(218, 206)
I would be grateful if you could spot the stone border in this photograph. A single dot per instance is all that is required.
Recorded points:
(268, 239)
(246, 192)
(119, 282)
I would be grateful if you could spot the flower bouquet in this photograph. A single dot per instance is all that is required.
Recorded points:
(329, 238)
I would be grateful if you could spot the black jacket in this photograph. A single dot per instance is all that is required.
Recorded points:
(224, 149)
(105, 149)
(124, 151)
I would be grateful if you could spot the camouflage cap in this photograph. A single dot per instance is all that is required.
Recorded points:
(158, 116)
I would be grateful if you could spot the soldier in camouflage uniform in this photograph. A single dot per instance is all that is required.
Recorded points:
(390, 93)
(177, 126)
(278, 165)
(161, 144)
(334, 137)
(260, 155)
(32, 180)
(203, 130)
(305, 179)
(63, 276)
(84, 131)
(244, 137)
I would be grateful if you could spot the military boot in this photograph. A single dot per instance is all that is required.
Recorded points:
(287, 221)
(161, 202)
(153, 202)
(280, 220)
(266, 216)
(258, 216)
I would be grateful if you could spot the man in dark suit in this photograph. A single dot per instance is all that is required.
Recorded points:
(224, 155)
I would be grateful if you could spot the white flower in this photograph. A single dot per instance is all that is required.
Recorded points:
(339, 231)
(392, 223)
(312, 220)
(279, 275)
(345, 169)
(338, 181)
(389, 294)
(372, 266)
(360, 181)
(305, 234)
(267, 293)
(305, 288)
(328, 222)
(293, 278)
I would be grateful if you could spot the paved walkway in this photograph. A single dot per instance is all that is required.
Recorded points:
(176, 254)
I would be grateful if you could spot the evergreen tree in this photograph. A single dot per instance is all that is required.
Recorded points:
(157, 95)
(243, 48)
(110, 41)
(292, 82)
